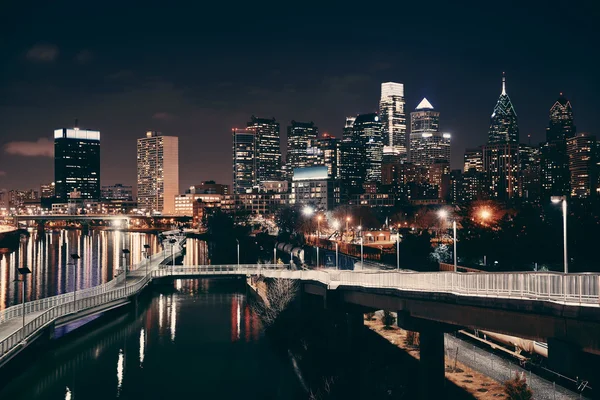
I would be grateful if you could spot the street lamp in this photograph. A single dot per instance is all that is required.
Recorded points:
(23, 271)
(362, 254)
(238, 252)
(336, 226)
(75, 258)
(556, 200)
(146, 253)
(398, 252)
(443, 214)
(308, 211)
(173, 241)
(125, 254)
(275, 255)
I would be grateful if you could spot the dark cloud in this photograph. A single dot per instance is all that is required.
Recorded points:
(40, 148)
(43, 53)
(84, 57)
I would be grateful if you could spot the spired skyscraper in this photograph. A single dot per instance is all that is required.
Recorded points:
(427, 144)
(268, 152)
(77, 163)
(157, 172)
(501, 154)
(393, 119)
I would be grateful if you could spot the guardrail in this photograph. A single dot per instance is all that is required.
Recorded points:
(581, 289)
(229, 269)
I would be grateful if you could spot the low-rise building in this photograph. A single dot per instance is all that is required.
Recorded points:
(312, 186)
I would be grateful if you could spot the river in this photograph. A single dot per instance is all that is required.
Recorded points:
(48, 257)
(192, 339)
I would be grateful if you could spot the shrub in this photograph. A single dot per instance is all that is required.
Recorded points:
(516, 388)
(370, 316)
(412, 338)
(388, 320)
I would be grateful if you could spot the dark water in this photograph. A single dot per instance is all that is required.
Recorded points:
(48, 256)
(197, 339)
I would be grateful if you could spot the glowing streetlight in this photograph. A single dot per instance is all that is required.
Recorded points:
(556, 200)
(485, 214)
(336, 224)
(347, 222)
(443, 214)
(308, 211)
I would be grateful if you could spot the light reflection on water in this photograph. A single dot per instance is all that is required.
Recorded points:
(48, 256)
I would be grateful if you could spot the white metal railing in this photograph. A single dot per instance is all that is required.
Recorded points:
(581, 289)
(227, 269)
(58, 306)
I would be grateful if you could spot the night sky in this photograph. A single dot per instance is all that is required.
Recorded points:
(196, 71)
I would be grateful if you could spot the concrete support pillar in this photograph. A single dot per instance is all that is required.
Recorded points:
(432, 364)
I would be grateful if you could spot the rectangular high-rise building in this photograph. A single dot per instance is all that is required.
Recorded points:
(582, 165)
(268, 151)
(244, 160)
(393, 118)
(473, 160)
(77, 163)
(157, 172)
(501, 165)
(299, 135)
(118, 191)
(324, 151)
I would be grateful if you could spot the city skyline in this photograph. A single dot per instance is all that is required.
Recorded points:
(127, 98)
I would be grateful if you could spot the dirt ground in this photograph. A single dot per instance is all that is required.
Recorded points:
(477, 384)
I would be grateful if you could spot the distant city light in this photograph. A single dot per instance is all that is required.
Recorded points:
(308, 211)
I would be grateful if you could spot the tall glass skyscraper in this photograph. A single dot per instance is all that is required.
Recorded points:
(393, 118)
(350, 155)
(555, 174)
(244, 160)
(77, 163)
(368, 130)
(157, 173)
(427, 144)
(299, 135)
(503, 122)
(268, 151)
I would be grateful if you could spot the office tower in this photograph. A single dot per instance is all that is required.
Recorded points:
(530, 184)
(77, 163)
(268, 152)
(473, 160)
(244, 160)
(581, 150)
(555, 175)
(209, 187)
(368, 131)
(350, 156)
(501, 165)
(503, 122)
(16, 198)
(118, 191)
(427, 144)
(157, 172)
(393, 119)
(299, 135)
(47, 191)
(324, 151)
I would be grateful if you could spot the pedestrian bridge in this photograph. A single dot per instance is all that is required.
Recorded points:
(539, 306)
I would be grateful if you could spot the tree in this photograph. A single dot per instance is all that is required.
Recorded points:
(517, 389)
(388, 320)
(280, 294)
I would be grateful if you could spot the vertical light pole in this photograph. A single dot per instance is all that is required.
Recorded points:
(398, 252)
(238, 252)
(147, 255)
(556, 200)
(75, 258)
(318, 237)
(443, 214)
(274, 255)
(173, 241)
(362, 254)
(125, 254)
(23, 271)
(336, 226)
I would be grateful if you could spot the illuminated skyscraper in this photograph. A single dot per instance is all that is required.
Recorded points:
(393, 118)
(503, 122)
(473, 160)
(367, 129)
(581, 149)
(350, 156)
(299, 135)
(324, 151)
(157, 173)
(427, 144)
(77, 163)
(244, 160)
(555, 174)
(268, 152)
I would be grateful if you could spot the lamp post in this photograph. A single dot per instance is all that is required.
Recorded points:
(274, 255)
(75, 258)
(238, 252)
(336, 226)
(146, 253)
(362, 254)
(173, 241)
(443, 214)
(125, 254)
(556, 200)
(319, 217)
(398, 252)
(23, 271)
